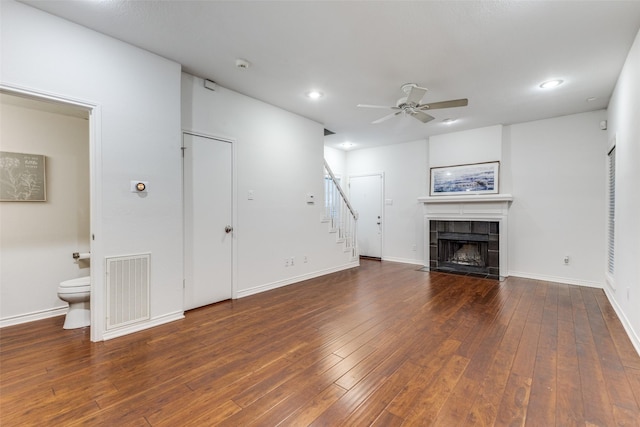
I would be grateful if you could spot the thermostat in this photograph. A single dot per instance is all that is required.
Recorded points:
(310, 198)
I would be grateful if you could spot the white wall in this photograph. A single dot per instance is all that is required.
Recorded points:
(405, 170)
(470, 146)
(624, 114)
(337, 160)
(135, 135)
(558, 208)
(38, 238)
(279, 156)
(557, 183)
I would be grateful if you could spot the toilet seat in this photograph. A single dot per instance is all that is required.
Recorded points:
(73, 286)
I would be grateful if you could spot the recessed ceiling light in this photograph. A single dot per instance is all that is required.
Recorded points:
(448, 121)
(314, 94)
(551, 84)
(591, 99)
(347, 144)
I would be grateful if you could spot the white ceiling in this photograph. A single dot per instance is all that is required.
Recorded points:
(493, 53)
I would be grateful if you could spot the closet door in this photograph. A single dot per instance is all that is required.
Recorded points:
(208, 193)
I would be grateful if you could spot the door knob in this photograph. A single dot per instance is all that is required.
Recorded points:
(228, 229)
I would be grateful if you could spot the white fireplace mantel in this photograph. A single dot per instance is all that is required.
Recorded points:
(476, 207)
(475, 198)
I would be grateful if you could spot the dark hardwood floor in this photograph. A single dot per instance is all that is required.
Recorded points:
(383, 344)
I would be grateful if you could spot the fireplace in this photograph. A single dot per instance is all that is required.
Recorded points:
(469, 215)
(465, 247)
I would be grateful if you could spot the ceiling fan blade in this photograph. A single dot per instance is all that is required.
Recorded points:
(422, 116)
(377, 106)
(445, 104)
(415, 95)
(387, 117)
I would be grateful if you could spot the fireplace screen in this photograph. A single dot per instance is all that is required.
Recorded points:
(465, 247)
(468, 254)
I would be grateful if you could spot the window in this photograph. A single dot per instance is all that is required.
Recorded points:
(612, 211)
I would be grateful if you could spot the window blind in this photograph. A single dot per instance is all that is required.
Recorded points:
(612, 211)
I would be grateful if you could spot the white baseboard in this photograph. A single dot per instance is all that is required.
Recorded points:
(404, 260)
(156, 321)
(563, 280)
(33, 316)
(633, 335)
(280, 283)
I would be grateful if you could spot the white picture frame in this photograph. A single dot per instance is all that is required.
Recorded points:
(474, 178)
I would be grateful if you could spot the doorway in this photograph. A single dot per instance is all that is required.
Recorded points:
(365, 194)
(208, 220)
(59, 222)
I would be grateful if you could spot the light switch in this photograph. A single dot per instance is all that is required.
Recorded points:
(250, 195)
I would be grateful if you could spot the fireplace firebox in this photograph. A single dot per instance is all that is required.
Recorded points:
(465, 247)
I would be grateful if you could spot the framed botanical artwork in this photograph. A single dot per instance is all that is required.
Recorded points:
(476, 178)
(22, 177)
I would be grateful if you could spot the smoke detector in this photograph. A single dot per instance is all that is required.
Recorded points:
(243, 64)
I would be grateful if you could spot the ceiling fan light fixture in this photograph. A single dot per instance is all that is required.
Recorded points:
(550, 84)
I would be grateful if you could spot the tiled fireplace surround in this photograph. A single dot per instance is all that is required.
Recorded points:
(481, 220)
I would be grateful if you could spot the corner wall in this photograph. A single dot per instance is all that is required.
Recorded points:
(405, 179)
(553, 169)
(135, 135)
(623, 118)
(279, 157)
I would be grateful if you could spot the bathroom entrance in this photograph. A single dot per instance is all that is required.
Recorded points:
(208, 220)
(45, 212)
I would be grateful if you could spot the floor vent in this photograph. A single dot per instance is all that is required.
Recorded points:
(127, 290)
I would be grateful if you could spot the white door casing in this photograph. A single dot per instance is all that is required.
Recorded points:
(208, 220)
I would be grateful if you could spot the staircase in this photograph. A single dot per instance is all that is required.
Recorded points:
(339, 214)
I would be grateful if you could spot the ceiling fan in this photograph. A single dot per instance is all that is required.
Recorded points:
(410, 105)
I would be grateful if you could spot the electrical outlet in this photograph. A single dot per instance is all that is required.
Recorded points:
(566, 259)
(286, 262)
(414, 248)
(292, 260)
(305, 259)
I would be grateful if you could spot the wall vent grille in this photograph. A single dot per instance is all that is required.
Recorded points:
(127, 290)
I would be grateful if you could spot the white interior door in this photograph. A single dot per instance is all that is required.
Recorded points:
(208, 193)
(365, 195)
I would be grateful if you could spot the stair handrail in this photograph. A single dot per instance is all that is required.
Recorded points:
(337, 184)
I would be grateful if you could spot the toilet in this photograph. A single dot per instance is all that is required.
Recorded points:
(76, 292)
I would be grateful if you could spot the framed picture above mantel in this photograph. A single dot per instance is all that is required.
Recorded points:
(460, 180)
